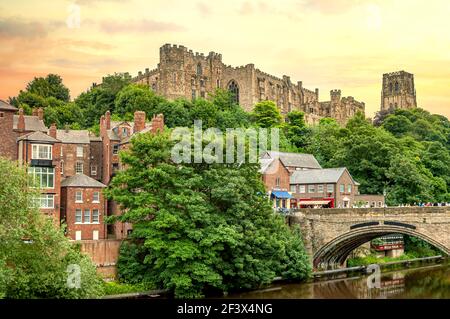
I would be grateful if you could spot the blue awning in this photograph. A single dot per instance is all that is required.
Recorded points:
(281, 194)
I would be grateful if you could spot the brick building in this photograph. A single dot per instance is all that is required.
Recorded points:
(182, 73)
(275, 176)
(83, 207)
(331, 187)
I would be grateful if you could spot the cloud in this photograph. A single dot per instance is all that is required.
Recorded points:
(93, 2)
(204, 9)
(20, 28)
(83, 64)
(329, 7)
(85, 44)
(139, 26)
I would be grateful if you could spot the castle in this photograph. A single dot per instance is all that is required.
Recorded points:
(182, 73)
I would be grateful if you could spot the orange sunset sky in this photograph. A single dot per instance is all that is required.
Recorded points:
(328, 44)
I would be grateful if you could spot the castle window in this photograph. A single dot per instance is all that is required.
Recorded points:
(174, 78)
(199, 69)
(154, 86)
(218, 83)
(396, 87)
(202, 94)
(193, 94)
(390, 87)
(234, 90)
(202, 83)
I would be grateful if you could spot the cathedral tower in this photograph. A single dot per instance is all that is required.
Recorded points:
(398, 91)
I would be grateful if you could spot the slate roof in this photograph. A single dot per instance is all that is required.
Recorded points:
(6, 106)
(294, 159)
(73, 136)
(38, 137)
(32, 123)
(265, 163)
(94, 138)
(317, 176)
(81, 180)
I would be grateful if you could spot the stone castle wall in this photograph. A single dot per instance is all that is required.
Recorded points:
(182, 73)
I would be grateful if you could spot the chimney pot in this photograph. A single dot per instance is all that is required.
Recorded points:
(21, 121)
(108, 120)
(52, 130)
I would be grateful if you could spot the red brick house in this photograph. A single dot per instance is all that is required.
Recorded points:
(330, 187)
(276, 178)
(41, 154)
(83, 207)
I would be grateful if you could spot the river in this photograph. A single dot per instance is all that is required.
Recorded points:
(426, 282)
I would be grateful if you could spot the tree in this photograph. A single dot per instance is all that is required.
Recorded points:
(34, 254)
(296, 130)
(136, 98)
(50, 86)
(266, 114)
(204, 227)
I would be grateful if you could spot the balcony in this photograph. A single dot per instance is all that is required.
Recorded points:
(42, 162)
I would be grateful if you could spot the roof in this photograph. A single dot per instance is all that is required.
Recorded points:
(38, 137)
(32, 123)
(81, 180)
(317, 176)
(294, 159)
(6, 106)
(73, 136)
(94, 138)
(265, 163)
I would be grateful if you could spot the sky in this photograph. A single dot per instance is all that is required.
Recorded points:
(338, 44)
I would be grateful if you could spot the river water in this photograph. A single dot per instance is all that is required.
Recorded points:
(425, 282)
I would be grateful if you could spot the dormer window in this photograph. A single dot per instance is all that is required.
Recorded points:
(41, 151)
(124, 132)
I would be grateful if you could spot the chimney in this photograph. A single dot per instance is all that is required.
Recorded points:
(21, 122)
(40, 113)
(158, 123)
(139, 121)
(108, 120)
(35, 113)
(52, 130)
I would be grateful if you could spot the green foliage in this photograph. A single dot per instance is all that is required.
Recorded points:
(296, 130)
(136, 98)
(115, 288)
(406, 156)
(50, 86)
(266, 114)
(36, 268)
(204, 227)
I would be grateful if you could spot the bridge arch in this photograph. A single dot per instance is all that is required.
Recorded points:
(336, 251)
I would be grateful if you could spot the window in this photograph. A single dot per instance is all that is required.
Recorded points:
(124, 132)
(199, 69)
(234, 90)
(349, 188)
(218, 83)
(320, 188)
(61, 168)
(202, 94)
(193, 94)
(43, 176)
(96, 197)
(380, 204)
(330, 188)
(202, 83)
(41, 152)
(277, 182)
(61, 154)
(79, 151)
(95, 235)
(45, 201)
(78, 216)
(396, 87)
(78, 197)
(94, 170)
(293, 188)
(342, 188)
(115, 149)
(78, 235)
(87, 216)
(2, 114)
(311, 188)
(79, 168)
(302, 189)
(95, 216)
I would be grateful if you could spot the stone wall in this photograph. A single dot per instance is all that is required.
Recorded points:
(182, 73)
(103, 253)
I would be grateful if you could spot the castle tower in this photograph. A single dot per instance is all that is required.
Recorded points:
(398, 91)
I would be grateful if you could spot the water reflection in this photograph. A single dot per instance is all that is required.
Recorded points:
(427, 282)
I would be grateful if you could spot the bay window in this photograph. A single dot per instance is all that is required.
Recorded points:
(41, 151)
(44, 177)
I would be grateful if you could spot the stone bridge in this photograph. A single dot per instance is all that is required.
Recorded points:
(331, 234)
